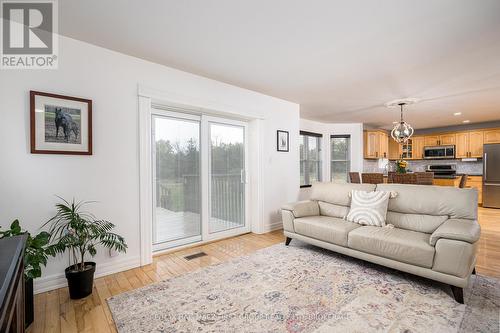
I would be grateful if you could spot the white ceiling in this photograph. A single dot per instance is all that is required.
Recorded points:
(341, 60)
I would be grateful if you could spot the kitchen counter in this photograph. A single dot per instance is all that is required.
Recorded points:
(473, 181)
(445, 177)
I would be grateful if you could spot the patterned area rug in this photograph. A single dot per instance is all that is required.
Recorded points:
(302, 288)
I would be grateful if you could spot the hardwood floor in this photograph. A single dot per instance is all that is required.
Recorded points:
(55, 312)
(488, 257)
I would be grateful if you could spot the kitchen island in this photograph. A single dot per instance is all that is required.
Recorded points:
(473, 181)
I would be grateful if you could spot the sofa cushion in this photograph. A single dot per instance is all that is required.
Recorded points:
(333, 210)
(416, 222)
(369, 208)
(433, 200)
(336, 193)
(407, 246)
(325, 228)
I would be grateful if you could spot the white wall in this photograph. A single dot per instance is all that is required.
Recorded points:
(355, 130)
(29, 182)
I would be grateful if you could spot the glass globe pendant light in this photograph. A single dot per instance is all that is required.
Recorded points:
(402, 131)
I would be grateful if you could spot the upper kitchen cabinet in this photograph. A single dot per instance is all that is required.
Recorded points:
(476, 141)
(418, 143)
(462, 145)
(376, 144)
(394, 150)
(447, 139)
(384, 145)
(469, 144)
(492, 136)
(431, 140)
(440, 140)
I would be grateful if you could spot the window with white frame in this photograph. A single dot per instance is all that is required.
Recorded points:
(310, 158)
(340, 157)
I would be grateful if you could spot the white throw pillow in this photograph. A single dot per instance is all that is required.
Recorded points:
(369, 208)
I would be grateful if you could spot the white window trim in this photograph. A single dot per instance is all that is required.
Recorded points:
(147, 97)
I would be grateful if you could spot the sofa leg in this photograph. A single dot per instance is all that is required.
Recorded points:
(474, 271)
(287, 241)
(458, 293)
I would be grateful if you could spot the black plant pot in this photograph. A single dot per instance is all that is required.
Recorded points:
(29, 304)
(80, 283)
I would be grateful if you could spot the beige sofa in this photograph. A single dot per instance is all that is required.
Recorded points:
(435, 232)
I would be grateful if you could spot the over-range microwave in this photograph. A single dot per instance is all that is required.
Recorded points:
(439, 152)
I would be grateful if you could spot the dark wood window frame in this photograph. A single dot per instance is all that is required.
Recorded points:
(316, 135)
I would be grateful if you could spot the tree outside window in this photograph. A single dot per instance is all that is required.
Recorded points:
(340, 164)
(310, 158)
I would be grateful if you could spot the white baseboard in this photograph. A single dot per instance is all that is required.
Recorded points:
(56, 281)
(273, 226)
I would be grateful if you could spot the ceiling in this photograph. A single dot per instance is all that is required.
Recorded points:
(340, 60)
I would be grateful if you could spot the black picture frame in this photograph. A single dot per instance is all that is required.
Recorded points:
(280, 146)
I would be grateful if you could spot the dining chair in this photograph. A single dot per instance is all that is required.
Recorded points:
(372, 178)
(390, 177)
(463, 180)
(354, 177)
(405, 178)
(425, 178)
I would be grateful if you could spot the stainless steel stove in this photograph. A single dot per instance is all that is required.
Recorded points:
(447, 171)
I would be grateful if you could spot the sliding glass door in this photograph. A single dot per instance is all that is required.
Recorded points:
(199, 178)
(227, 177)
(177, 182)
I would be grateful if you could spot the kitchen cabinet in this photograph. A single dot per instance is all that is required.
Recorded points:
(384, 145)
(407, 150)
(376, 144)
(440, 140)
(462, 145)
(469, 144)
(447, 139)
(372, 144)
(446, 181)
(492, 136)
(477, 183)
(413, 149)
(394, 150)
(472, 182)
(476, 141)
(431, 140)
(418, 143)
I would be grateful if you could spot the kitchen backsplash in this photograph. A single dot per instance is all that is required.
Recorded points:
(470, 168)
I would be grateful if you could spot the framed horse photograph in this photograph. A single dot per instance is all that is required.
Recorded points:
(60, 124)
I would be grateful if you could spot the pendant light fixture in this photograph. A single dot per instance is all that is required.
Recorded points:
(402, 131)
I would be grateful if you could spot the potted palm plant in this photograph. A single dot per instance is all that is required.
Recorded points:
(35, 255)
(80, 233)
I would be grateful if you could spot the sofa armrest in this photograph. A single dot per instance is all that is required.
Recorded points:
(457, 229)
(302, 208)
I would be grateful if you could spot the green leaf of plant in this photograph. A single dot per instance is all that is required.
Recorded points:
(15, 227)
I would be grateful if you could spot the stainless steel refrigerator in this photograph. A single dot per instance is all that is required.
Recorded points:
(491, 176)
